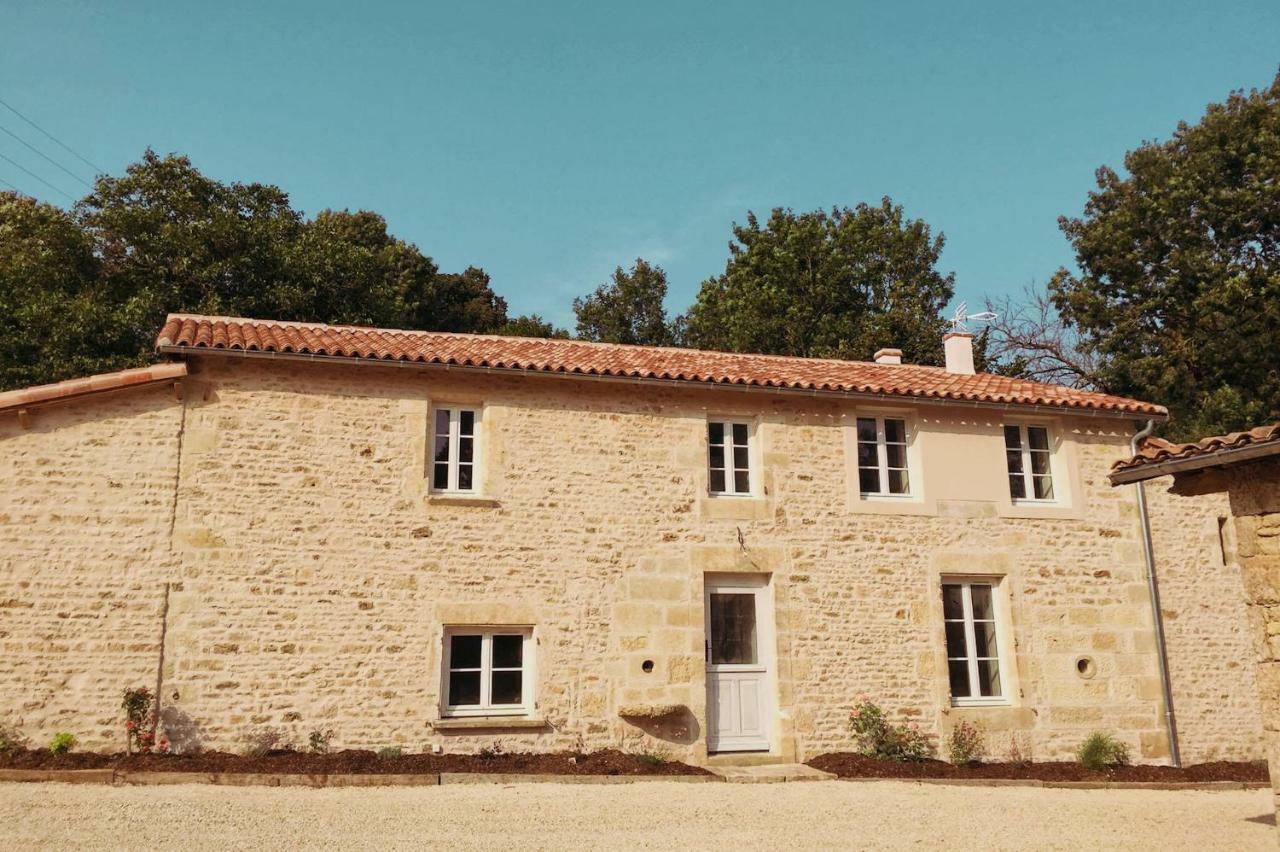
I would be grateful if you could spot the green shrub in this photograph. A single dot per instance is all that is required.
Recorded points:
(1102, 751)
(390, 752)
(62, 743)
(967, 743)
(880, 738)
(262, 741)
(653, 755)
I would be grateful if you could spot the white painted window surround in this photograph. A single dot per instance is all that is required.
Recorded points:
(883, 465)
(1029, 460)
(488, 671)
(454, 454)
(971, 613)
(730, 464)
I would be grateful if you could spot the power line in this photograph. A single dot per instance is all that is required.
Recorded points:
(98, 170)
(45, 156)
(18, 165)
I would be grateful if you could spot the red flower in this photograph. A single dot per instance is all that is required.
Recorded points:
(130, 724)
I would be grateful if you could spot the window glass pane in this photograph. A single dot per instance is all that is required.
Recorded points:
(896, 455)
(989, 678)
(1017, 487)
(508, 650)
(952, 601)
(959, 670)
(464, 477)
(440, 475)
(1044, 487)
(869, 480)
(715, 433)
(982, 602)
(466, 422)
(1038, 437)
(984, 637)
(464, 652)
(505, 688)
(867, 456)
(898, 482)
(1013, 458)
(464, 688)
(740, 434)
(866, 429)
(742, 482)
(442, 422)
(895, 431)
(733, 628)
(717, 480)
(717, 455)
(956, 645)
(1012, 438)
(466, 446)
(1039, 463)
(740, 456)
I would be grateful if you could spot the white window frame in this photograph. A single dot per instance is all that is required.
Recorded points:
(455, 426)
(486, 707)
(1028, 482)
(971, 644)
(882, 457)
(730, 480)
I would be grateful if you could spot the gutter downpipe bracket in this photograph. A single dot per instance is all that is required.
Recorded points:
(1153, 586)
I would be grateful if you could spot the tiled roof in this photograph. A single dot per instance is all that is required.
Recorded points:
(106, 382)
(574, 357)
(1159, 452)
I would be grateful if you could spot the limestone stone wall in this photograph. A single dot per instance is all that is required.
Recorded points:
(313, 573)
(86, 497)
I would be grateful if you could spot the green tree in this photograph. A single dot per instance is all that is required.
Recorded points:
(532, 325)
(628, 308)
(1178, 290)
(838, 284)
(49, 324)
(87, 291)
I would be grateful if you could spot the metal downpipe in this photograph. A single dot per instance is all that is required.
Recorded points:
(1153, 586)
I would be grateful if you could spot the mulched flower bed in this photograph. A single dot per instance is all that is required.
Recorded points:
(355, 761)
(847, 765)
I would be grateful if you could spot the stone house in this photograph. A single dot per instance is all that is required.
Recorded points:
(1245, 466)
(439, 540)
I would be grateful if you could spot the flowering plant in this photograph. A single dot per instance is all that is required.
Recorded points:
(140, 719)
(878, 737)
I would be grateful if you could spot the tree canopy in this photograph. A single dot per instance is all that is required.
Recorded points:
(628, 308)
(1177, 297)
(837, 284)
(85, 291)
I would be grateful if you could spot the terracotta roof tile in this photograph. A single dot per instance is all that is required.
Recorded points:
(1157, 450)
(574, 357)
(61, 391)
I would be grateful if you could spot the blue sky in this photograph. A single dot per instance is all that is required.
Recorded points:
(549, 142)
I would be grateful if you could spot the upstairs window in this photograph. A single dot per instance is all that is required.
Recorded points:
(973, 659)
(882, 457)
(729, 457)
(1027, 454)
(488, 671)
(454, 450)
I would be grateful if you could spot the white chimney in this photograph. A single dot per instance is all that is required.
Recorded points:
(959, 351)
(888, 356)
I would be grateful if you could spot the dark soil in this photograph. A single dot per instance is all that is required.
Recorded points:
(848, 765)
(607, 762)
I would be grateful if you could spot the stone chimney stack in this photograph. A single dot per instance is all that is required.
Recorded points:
(888, 356)
(959, 352)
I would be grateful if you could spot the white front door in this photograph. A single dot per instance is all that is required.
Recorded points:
(739, 654)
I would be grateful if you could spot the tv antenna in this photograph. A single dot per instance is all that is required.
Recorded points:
(962, 317)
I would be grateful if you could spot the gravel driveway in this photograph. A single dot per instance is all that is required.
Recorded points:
(650, 815)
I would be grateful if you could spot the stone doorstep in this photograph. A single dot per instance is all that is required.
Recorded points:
(774, 773)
